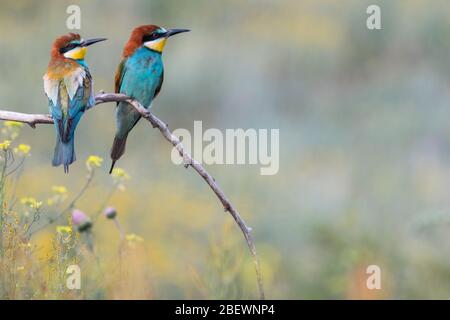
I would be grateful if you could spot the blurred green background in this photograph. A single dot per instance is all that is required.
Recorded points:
(364, 143)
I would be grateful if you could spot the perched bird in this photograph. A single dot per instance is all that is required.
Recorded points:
(139, 76)
(69, 89)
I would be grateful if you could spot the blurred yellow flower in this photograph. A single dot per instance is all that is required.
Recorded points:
(94, 162)
(133, 239)
(22, 149)
(26, 245)
(59, 189)
(5, 144)
(63, 229)
(59, 195)
(20, 268)
(11, 129)
(31, 202)
(119, 173)
(13, 124)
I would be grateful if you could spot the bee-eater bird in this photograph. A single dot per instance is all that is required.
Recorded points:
(140, 76)
(69, 89)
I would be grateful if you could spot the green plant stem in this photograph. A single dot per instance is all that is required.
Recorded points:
(69, 207)
(105, 202)
(17, 177)
(2, 196)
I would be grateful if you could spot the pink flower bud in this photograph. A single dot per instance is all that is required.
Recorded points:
(110, 212)
(81, 220)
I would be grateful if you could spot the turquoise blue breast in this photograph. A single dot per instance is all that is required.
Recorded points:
(142, 75)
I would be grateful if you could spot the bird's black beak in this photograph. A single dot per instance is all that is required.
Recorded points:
(88, 42)
(172, 32)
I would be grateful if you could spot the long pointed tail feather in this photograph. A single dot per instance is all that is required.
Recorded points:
(112, 166)
(117, 150)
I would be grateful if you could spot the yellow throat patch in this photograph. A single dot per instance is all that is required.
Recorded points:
(157, 45)
(76, 54)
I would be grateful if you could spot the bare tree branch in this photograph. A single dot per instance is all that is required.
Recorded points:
(33, 119)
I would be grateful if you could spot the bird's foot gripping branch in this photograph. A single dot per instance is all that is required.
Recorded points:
(102, 97)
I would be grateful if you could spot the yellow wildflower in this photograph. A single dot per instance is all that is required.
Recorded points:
(22, 149)
(93, 162)
(133, 239)
(59, 195)
(13, 124)
(5, 144)
(31, 202)
(59, 189)
(63, 229)
(11, 129)
(119, 173)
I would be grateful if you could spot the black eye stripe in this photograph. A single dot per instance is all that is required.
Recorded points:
(69, 47)
(150, 37)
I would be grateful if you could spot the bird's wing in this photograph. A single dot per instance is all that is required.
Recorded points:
(68, 98)
(88, 84)
(119, 75)
(158, 88)
(51, 88)
(74, 81)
